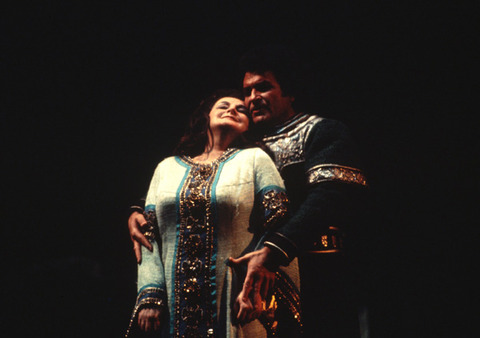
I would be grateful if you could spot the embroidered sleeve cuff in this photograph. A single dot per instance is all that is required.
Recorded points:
(149, 296)
(283, 246)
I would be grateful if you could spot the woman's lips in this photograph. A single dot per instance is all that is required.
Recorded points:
(229, 117)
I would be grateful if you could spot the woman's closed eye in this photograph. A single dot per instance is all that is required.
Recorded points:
(242, 109)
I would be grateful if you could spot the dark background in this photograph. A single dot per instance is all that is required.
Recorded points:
(95, 95)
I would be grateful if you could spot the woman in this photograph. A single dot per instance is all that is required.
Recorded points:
(218, 198)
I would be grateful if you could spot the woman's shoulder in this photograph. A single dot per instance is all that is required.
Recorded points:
(255, 153)
(167, 162)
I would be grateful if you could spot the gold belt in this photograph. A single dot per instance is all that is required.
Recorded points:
(329, 242)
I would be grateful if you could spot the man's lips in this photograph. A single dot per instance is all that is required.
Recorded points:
(257, 110)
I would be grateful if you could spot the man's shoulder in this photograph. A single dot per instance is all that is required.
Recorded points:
(298, 124)
(327, 128)
(322, 122)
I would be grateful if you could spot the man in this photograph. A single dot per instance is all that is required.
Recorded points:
(318, 163)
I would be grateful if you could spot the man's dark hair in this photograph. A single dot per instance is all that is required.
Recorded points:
(282, 62)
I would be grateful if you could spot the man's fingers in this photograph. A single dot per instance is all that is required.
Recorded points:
(135, 223)
(257, 303)
(241, 315)
(245, 308)
(247, 286)
(267, 285)
(139, 237)
(138, 251)
(237, 263)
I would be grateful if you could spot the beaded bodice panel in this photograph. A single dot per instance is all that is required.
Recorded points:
(288, 144)
(194, 309)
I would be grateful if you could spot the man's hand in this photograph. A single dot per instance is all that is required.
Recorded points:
(135, 222)
(149, 319)
(258, 282)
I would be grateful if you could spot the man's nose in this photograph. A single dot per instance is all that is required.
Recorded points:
(255, 96)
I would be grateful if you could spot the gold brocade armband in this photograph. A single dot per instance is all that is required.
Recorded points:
(335, 172)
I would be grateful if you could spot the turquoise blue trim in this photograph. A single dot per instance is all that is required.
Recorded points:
(150, 207)
(233, 155)
(152, 286)
(270, 187)
(213, 201)
(179, 161)
(177, 210)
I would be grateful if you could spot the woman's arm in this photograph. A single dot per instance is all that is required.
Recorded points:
(152, 297)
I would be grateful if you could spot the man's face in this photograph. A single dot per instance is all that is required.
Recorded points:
(264, 99)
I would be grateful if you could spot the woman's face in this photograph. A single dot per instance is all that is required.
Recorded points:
(230, 114)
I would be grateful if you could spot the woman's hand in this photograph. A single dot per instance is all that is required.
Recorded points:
(135, 222)
(150, 319)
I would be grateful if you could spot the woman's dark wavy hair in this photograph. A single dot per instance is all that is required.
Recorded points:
(195, 139)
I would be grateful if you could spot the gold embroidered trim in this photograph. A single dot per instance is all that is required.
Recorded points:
(329, 242)
(149, 229)
(226, 154)
(147, 301)
(335, 172)
(276, 202)
(289, 144)
(195, 214)
(149, 290)
(287, 294)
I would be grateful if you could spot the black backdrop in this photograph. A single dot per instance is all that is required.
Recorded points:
(95, 95)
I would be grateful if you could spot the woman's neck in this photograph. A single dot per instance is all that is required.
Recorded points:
(216, 147)
(208, 156)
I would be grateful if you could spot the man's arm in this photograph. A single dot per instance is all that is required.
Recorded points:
(136, 227)
(136, 222)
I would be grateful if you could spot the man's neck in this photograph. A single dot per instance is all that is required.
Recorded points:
(259, 130)
(287, 118)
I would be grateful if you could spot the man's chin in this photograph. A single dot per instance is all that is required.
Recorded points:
(260, 126)
(259, 119)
